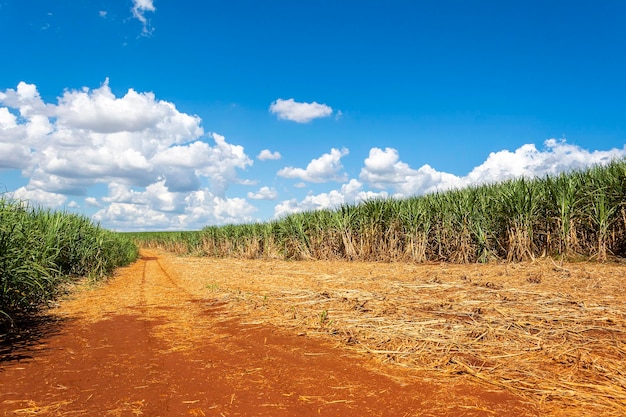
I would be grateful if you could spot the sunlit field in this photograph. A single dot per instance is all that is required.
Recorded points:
(576, 215)
(516, 284)
(40, 250)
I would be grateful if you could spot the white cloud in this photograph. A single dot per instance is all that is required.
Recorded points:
(223, 163)
(42, 180)
(26, 98)
(383, 169)
(125, 216)
(8, 120)
(135, 211)
(156, 196)
(264, 155)
(93, 136)
(219, 163)
(326, 168)
(528, 161)
(264, 193)
(15, 155)
(350, 193)
(101, 112)
(146, 151)
(299, 112)
(207, 208)
(38, 197)
(92, 202)
(140, 7)
(27, 92)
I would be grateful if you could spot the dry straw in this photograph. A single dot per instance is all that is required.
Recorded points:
(553, 334)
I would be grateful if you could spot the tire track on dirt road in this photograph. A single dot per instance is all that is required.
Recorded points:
(144, 344)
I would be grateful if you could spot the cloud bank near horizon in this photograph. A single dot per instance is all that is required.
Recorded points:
(139, 163)
(384, 171)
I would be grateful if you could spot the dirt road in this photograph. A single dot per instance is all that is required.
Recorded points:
(150, 343)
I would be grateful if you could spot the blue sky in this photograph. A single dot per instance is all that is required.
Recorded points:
(169, 115)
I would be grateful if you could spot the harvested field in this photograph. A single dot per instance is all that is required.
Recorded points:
(553, 334)
(198, 336)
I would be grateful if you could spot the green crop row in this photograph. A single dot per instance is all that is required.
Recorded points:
(41, 249)
(572, 215)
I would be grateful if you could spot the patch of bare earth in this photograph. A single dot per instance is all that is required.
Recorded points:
(170, 336)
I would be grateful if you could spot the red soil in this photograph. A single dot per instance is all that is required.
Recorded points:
(144, 345)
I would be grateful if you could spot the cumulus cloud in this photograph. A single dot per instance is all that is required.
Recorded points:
(326, 168)
(156, 196)
(126, 216)
(223, 163)
(139, 9)
(37, 197)
(219, 163)
(147, 152)
(154, 210)
(264, 193)
(26, 98)
(527, 161)
(350, 193)
(208, 208)
(384, 170)
(16, 155)
(264, 155)
(99, 111)
(299, 112)
(93, 135)
(92, 202)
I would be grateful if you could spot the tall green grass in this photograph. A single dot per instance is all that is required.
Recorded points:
(41, 249)
(580, 214)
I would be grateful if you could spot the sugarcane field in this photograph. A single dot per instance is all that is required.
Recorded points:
(494, 300)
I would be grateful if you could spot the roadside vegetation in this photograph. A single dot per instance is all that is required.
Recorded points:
(40, 250)
(575, 215)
